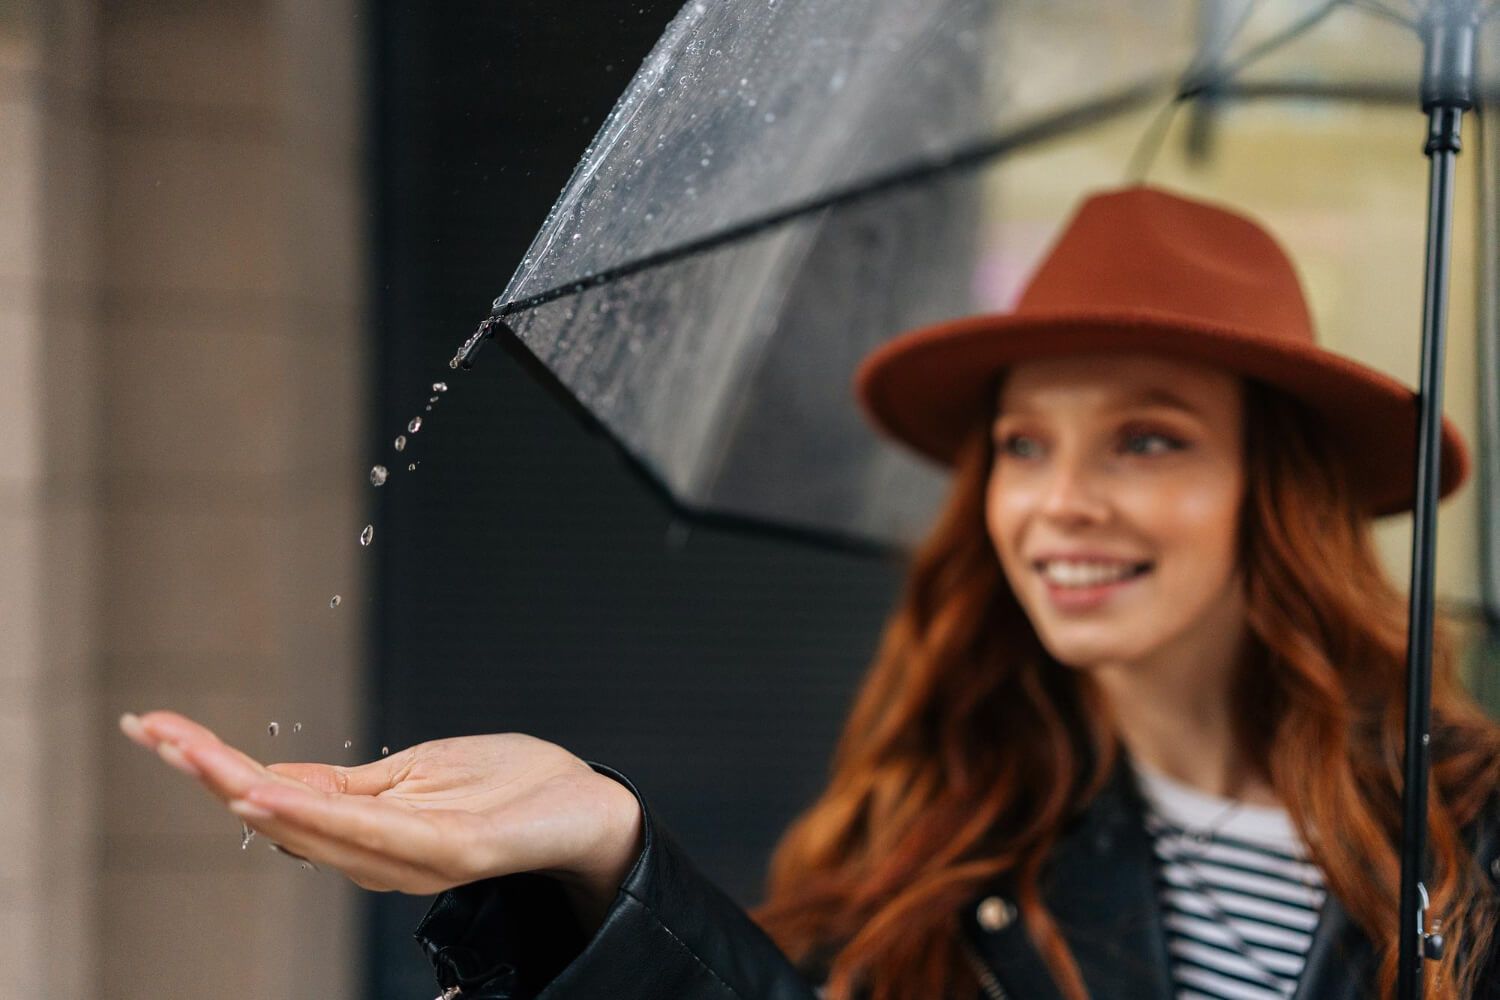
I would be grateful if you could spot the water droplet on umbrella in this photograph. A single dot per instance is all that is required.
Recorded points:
(335, 601)
(432, 399)
(246, 835)
(368, 535)
(703, 162)
(412, 467)
(307, 866)
(414, 426)
(385, 751)
(273, 728)
(400, 442)
(296, 727)
(348, 744)
(428, 408)
(378, 475)
(440, 387)
(770, 117)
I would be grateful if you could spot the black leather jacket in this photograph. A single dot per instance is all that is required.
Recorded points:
(671, 934)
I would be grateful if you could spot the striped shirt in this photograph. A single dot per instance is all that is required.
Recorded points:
(1239, 898)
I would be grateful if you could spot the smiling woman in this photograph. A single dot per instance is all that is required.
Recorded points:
(1131, 731)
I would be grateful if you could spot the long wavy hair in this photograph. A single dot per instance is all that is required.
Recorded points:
(969, 749)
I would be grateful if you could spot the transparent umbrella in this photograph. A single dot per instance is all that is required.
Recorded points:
(785, 185)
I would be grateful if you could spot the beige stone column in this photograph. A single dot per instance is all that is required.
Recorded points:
(181, 410)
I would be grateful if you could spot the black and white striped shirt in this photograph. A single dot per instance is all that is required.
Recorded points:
(1239, 898)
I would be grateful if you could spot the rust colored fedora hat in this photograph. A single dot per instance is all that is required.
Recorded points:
(1145, 269)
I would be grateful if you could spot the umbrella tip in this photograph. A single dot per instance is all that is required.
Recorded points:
(465, 357)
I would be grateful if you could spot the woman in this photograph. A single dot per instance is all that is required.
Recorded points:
(1133, 731)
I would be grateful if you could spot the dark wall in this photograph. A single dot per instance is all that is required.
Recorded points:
(526, 580)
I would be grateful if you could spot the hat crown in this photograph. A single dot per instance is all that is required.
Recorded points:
(1142, 249)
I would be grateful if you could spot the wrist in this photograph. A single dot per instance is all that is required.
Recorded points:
(591, 886)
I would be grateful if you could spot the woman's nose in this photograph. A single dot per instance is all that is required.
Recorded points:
(1073, 492)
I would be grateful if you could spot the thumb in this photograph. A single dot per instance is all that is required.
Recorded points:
(366, 779)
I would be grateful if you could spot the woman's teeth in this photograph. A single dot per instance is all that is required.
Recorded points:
(1088, 574)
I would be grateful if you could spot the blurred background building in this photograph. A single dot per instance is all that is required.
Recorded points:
(239, 240)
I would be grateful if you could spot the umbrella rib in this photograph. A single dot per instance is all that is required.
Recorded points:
(1200, 77)
(1375, 7)
(965, 157)
(1257, 51)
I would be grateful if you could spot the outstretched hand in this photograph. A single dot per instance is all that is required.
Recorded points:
(427, 818)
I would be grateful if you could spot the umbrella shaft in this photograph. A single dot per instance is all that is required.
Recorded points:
(1442, 149)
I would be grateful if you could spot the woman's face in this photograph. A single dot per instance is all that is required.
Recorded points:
(1113, 503)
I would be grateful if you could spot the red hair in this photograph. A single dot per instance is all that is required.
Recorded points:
(969, 748)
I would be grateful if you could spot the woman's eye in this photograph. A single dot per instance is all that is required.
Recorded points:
(1150, 443)
(1019, 446)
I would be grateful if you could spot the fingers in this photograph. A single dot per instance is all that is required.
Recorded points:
(451, 844)
(387, 849)
(366, 868)
(369, 823)
(373, 840)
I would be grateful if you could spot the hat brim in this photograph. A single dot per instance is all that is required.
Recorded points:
(928, 388)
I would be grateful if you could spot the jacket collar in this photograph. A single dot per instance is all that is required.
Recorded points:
(1101, 888)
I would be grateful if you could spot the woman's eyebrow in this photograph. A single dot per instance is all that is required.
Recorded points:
(1146, 397)
(1157, 397)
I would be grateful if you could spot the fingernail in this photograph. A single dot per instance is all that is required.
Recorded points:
(130, 725)
(172, 755)
(249, 810)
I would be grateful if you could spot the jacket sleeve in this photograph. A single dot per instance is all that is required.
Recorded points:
(669, 933)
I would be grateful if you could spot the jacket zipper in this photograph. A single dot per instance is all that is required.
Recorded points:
(987, 981)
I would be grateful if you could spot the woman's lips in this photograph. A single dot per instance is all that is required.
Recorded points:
(1091, 596)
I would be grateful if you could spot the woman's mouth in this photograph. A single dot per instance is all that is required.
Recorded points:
(1082, 584)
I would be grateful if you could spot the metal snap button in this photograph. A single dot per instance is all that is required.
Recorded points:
(995, 914)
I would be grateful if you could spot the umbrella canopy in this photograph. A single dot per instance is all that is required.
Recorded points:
(783, 186)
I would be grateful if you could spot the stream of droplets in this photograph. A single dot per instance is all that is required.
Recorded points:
(379, 476)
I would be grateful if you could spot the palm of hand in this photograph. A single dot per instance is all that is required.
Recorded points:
(422, 820)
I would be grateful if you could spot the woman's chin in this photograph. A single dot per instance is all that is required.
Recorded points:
(1088, 652)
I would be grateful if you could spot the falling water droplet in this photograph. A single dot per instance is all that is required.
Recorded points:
(335, 601)
(385, 751)
(368, 535)
(246, 835)
(348, 744)
(440, 387)
(296, 727)
(274, 728)
(414, 426)
(378, 475)
(400, 442)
